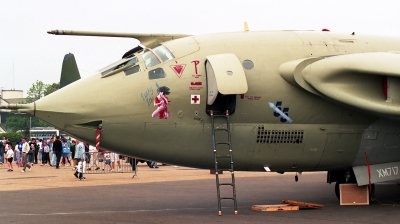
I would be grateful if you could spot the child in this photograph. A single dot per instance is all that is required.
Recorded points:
(46, 153)
(81, 169)
(10, 156)
(107, 160)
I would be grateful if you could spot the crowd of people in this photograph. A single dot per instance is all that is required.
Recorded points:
(57, 151)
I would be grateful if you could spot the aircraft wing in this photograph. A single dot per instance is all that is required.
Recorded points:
(146, 39)
(150, 40)
(366, 81)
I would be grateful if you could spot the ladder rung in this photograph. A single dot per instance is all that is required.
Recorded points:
(223, 143)
(219, 169)
(227, 198)
(219, 115)
(227, 157)
(225, 184)
(230, 151)
(221, 129)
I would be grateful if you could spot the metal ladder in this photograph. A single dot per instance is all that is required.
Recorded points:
(217, 157)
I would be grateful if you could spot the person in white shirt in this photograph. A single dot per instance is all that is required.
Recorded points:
(25, 151)
(10, 156)
(80, 170)
(45, 154)
(40, 144)
(94, 160)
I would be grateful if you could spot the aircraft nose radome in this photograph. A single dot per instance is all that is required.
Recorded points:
(54, 108)
(46, 109)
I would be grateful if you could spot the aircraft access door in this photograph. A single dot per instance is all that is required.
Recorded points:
(225, 79)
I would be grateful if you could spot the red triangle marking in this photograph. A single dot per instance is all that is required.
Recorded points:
(178, 69)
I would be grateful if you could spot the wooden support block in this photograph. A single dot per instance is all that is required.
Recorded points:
(351, 194)
(274, 208)
(303, 204)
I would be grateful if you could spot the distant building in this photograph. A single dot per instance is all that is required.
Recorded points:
(12, 94)
(6, 97)
(43, 132)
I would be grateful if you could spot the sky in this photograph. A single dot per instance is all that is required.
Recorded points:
(28, 53)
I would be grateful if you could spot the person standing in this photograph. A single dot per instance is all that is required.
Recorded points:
(115, 158)
(52, 154)
(66, 152)
(79, 152)
(72, 149)
(6, 147)
(87, 154)
(80, 170)
(94, 160)
(31, 154)
(46, 152)
(107, 160)
(36, 151)
(1, 152)
(20, 143)
(58, 149)
(10, 155)
(17, 152)
(25, 151)
(40, 144)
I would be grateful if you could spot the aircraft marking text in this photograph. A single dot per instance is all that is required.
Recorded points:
(196, 75)
(196, 86)
(244, 97)
(278, 112)
(148, 96)
(387, 172)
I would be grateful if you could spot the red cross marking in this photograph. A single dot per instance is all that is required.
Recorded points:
(195, 99)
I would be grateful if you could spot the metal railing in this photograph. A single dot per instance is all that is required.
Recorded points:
(96, 164)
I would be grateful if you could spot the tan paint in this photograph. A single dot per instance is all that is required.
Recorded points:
(124, 103)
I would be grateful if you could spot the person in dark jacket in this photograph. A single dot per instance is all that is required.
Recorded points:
(58, 149)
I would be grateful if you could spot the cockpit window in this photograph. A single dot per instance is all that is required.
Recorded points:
(163, 53)
(152, 57)
(132, 70)
(149, 58)
(124, 63)
(130, 65)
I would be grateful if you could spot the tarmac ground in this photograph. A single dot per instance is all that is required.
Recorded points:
(178, 195)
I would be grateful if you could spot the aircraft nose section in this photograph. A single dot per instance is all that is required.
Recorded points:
(51, 110)
(55, 109)
(48, 109)
(72, 109)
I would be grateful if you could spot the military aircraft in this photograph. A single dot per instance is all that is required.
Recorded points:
(286, 101)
